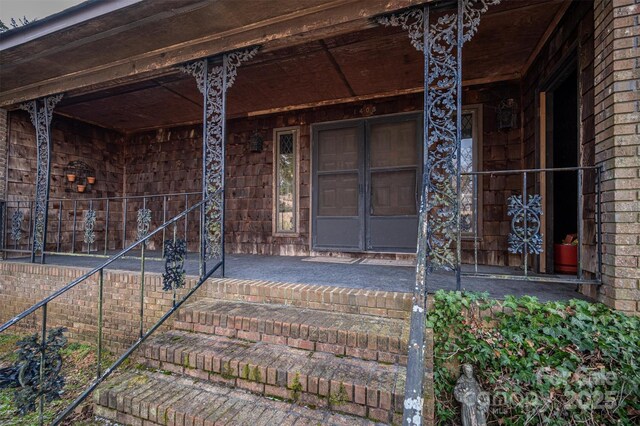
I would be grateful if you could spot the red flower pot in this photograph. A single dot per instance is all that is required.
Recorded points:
(565, 257)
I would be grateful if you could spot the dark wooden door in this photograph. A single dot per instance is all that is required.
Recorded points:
(365, 180)
(392, 180)
(338, 182)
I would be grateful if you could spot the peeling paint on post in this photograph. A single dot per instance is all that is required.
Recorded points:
(439, 224)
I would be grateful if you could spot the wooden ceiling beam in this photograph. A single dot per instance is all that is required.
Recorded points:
(337, 68)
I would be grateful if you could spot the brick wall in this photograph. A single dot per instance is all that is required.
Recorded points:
(22, 285)
(617, 148)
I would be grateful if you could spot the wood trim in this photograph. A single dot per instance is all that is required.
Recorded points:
(389, 94)
(295, 130)
(543, 176)
(545, 37)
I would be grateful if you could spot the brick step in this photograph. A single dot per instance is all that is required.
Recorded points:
(146, 398)
(349, 385)
(360, 336)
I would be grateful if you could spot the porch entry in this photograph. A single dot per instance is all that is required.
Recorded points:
(365, 184)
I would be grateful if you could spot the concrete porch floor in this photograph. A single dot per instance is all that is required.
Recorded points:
(291, 269)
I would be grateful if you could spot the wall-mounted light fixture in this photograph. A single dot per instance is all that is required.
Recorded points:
(79, 176)
(507, 114)
(256, 142)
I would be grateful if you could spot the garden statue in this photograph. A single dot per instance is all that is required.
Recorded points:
(475, 402)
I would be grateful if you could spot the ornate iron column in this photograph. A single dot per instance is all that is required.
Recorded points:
(439, 224)
(41, 111)
(213, 77)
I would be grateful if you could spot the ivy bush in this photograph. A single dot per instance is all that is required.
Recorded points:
(554, 363)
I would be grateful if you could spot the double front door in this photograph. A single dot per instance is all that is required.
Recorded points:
(366, 177)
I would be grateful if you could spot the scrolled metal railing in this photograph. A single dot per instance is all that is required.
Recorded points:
(526, 208)
(94, 226)
(39, 360)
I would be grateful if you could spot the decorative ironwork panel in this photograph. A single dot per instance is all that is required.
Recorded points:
(89, 225)
(439, 220)
(213, 82)
(41, 112)
(144, 223)
(25, 374)
(16, 225)
(525, 236)
(174, 255)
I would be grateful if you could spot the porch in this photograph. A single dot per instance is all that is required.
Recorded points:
(343, 272)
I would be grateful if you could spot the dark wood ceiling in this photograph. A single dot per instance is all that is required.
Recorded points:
(359, 64)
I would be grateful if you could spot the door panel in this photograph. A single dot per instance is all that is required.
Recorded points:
(338, 179)
(393, 170)
(393, 193)
(365, 184)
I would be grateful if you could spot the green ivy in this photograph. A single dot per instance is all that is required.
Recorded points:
(554, 363)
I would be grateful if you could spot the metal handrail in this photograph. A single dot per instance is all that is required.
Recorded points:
(94, 248)
(580, 171)
(112, 259)
(122, 197)
(101, 374)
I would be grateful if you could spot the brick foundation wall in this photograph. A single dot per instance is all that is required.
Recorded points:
(22, 285)
(617, 136)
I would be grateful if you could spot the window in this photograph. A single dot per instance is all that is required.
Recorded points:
(285, 181)
(469, 162)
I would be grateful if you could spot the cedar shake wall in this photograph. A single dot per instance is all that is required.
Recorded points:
(169, 160)
(71, 140)
(165, 161)
(501, 150)
(573, 36)
(617, 148)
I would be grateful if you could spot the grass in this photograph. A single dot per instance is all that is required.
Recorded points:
(78, 370)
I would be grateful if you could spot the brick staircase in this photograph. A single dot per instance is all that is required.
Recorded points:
(245, 363)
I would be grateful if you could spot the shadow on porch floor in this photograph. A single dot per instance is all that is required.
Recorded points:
(291, 269)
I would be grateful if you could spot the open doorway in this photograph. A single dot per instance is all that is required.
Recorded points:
(561, 151)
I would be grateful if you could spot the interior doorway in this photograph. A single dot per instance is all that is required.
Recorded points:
(562, 150)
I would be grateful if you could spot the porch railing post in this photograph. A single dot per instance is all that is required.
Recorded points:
(213, 82)
(73, 229)
(41, 111)
(439, 218)
(580, 224)
(475, 222)
(525, 215)
(459, 42)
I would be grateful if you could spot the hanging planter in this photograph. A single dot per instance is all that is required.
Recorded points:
(565, 255)
(81, 174)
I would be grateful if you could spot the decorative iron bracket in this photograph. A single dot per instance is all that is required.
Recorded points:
(41, 111)
(89, 225)
(16, 226)
(214, 77)
(143, 223)
(525, 236)
(439, 220)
